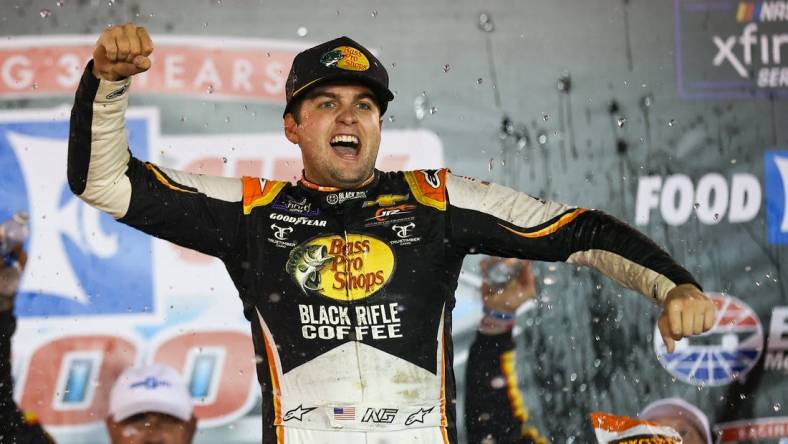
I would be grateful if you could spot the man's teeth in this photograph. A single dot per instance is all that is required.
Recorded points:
(344, 139)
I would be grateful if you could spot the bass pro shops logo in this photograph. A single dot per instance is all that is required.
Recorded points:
(342, 268)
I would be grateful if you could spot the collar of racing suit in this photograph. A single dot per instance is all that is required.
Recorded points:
(313, 186)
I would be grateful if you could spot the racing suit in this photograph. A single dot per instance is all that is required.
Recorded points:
(494, 408)
(15, 426)
(349, 292)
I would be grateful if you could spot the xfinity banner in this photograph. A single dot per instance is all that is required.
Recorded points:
(730, 48)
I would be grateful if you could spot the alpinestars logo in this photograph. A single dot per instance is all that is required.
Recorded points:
(431, 176)
(418, 416)
(297, 413)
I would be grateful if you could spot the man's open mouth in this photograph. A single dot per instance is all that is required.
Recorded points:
(345, 145)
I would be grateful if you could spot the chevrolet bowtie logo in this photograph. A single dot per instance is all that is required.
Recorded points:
(386, 200)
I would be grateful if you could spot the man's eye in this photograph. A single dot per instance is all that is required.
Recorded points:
(326, 105)
(365, 106)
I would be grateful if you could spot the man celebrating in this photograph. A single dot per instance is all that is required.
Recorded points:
(348, 276)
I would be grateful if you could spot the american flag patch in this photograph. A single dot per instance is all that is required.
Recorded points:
(344, 413)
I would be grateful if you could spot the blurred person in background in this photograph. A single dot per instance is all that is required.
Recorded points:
(494, 408)
(148, 405)
(353, 348)
(16, 426)
(683, 417)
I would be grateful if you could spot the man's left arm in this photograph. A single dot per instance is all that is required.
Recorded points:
(492, 219)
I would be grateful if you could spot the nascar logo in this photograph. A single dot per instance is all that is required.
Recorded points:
(722, 355)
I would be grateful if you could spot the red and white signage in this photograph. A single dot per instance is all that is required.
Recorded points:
(209, 68)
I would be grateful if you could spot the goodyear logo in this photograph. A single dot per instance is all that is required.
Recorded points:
(342, 268)
(345, 57)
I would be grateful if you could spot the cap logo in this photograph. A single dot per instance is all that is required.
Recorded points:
(345, 57)
(150, 383)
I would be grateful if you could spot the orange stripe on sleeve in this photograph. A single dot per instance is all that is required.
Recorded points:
(160, 177)
(552, 228)
(444, 420)
(275, 382)
(259, 192)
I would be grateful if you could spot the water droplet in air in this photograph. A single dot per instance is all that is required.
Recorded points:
(542, 139)
(621, 121)
(573, 377)
(392, 118)
(302, 31)
(545, 117)
(479, 81)
(485, 22)
(498, 382)
(374, 13)
(227, 119)
(433, 110)
(777, 407)
(597, 363)
(210, 89)
(671, 122)
(224, 160)
(716, 216)
(420, 105)
(60, 3)
(446, 67)
(696, 205)
(45, 13)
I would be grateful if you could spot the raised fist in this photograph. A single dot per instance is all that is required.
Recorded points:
(122, 51)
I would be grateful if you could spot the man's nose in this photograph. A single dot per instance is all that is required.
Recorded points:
(347, 116)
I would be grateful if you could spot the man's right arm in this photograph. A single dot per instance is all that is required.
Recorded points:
(195, 211)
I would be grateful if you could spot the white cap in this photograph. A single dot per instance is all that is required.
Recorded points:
(153, 388)
(671, 407)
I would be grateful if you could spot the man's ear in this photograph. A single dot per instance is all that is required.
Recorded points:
(113, 430)
(191, 427)
(290, 128)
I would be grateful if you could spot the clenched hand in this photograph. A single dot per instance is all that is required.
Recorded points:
(686, 312)
(122, 51)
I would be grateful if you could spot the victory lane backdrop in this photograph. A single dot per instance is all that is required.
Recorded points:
(667, 114)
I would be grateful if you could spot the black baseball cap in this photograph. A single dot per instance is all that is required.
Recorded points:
(338, 59)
